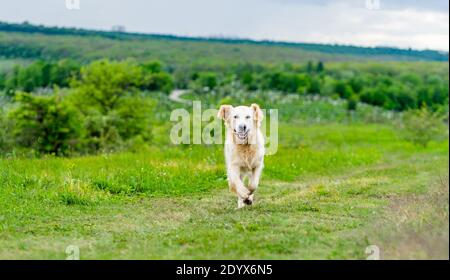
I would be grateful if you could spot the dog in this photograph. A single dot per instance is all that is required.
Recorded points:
(244, 149)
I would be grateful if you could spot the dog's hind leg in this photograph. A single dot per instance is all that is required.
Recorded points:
(232, 187)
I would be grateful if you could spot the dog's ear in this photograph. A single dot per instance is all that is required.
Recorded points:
(257, 113)
(224, 112)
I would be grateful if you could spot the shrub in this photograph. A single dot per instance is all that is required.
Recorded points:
(63, 72)
(100, 132)
(320, 67)
(158, 82)
(2, 81)
(352, 103)
(133, 117)
(107, 95)
(154, 79)
(421, 126)
(208, 80)
(315, 86)
(46, 124)
(151, 67)
(343, 89)
(104, 84)
(40, 74)
(6, 125)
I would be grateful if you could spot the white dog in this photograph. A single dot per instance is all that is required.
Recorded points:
(244, 149)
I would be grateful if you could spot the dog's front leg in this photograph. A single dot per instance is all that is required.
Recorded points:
(235, 182)
(254, 182)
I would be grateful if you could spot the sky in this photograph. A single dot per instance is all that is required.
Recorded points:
(417, 24)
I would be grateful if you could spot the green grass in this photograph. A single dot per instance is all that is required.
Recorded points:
(322, 195)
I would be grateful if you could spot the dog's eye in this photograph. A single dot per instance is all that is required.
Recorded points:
(247, 117)
(236, 117)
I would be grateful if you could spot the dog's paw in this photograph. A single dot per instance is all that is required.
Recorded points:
(241, 204)
(244, 194)
(248, 201)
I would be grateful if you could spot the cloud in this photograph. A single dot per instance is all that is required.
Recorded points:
(434, 5)
(416, 24)
(346, 23)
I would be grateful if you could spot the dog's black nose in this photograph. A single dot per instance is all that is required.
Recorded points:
(242, 127)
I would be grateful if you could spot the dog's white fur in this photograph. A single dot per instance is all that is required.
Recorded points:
(244, 150)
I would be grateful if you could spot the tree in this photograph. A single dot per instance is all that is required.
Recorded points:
(108, 97)
(208, 79)
(2, 81)
(248, 81)
(320, 67)
(6, 126)
(357, 84)
(309, 67)
(343, 89)
(352, 103)
(151, 67)
(154, 79)
(104, 84)
(314, 86)
(421, 126)
(160, 81)
(46, 123)
(63, 72)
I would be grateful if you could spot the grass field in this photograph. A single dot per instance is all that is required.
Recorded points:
(329, 192)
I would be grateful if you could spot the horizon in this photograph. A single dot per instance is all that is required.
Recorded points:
(360, 23)
(223, 37)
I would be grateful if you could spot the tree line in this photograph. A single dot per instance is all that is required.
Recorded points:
(392, 89)
(65, 107)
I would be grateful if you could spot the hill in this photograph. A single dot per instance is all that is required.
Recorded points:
(35, 41)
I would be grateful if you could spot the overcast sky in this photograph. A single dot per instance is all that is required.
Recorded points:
(418, 24)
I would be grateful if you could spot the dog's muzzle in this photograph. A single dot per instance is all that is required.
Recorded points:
(241, 135)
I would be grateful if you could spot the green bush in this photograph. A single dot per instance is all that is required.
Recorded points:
(2, 80)
(108, 97)
(344, 90)
(208, 80)
(352, 103)
(155, 79)
(151, 67)
(46, 123)
(6, 125)
(134, 117)
(63, 72)
(104, 84)
(101, 134)
(40, 74)
(422, 125)
(160, 81)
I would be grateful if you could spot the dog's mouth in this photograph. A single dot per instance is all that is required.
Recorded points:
(241, 135)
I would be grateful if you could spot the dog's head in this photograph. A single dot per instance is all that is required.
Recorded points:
(242, 120)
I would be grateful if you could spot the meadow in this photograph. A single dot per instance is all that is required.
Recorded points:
(329, 192)
(86, 159)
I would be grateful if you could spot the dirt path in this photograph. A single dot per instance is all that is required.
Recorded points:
(176, 94)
